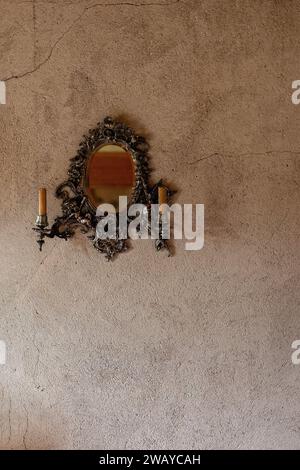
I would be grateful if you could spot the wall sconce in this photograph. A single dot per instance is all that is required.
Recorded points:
(111, 161)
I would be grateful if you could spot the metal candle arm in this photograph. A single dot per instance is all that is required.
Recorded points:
(42, 230)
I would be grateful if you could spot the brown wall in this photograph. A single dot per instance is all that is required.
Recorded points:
(149, 351)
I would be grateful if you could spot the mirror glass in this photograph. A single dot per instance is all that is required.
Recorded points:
(110, 174)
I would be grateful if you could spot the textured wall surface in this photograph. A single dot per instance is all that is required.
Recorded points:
(149, 351)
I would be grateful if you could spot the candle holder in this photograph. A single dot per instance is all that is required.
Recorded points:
(162, 243)
(61, 228)
(41, 224)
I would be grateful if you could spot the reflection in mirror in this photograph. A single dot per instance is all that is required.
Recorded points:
(110, 174)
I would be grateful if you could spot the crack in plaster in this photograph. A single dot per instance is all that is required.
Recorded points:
(9, 422)
(26, 430)
(61, 37)
(35, 372)
(34, 30)
(255, 154)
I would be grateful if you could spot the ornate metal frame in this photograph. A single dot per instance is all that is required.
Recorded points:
(78, 212)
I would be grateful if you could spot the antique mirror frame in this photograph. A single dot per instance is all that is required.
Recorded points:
(77, 210)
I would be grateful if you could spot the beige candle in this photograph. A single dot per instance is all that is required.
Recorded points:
(162, 197)
(42, 201)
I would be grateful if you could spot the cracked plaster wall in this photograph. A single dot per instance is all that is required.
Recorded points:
(150, 352)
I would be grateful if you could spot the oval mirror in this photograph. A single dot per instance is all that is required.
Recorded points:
(110, 173)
